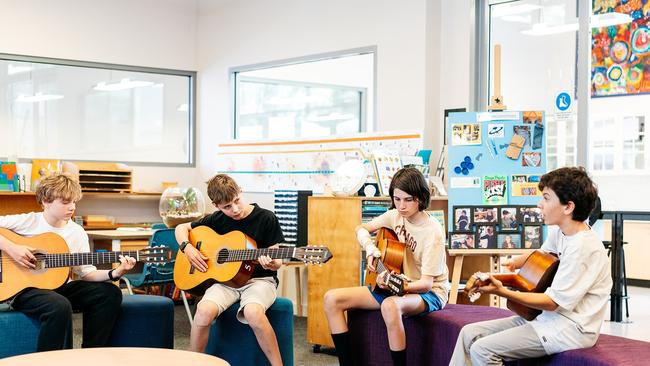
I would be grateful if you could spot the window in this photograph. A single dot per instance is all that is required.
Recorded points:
(76, 110)
(314, 96)
(538, 40)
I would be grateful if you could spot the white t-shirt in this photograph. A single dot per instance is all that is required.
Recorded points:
(33, 223)
(581, 289)
(425, 249)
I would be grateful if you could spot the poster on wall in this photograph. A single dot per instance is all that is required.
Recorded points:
(620, 53)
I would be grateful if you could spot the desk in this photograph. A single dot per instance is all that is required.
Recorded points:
(112, 356)
(116, 236)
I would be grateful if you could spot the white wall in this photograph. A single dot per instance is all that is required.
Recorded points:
(422, 48)
(152, 33)
(237, 33)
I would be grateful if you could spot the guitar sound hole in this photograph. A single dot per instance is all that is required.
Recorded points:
(222, 256)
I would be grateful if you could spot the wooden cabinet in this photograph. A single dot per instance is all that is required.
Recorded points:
(331, 222)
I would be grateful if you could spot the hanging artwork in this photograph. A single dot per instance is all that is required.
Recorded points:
(620, 53)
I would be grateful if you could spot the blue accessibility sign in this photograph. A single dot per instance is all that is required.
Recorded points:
(563, 101)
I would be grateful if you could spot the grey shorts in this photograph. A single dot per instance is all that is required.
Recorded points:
(261, 291)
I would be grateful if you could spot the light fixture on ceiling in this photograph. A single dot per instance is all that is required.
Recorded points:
(123, 84)
(507, 10)
(38, 97)
(596, 21)
(183, 108)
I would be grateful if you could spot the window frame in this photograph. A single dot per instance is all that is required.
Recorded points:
(234, 80)
(191, 75)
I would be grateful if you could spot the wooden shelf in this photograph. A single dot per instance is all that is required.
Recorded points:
(104, 177)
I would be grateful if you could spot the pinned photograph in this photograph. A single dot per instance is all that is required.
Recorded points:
(486, 237)
(509, 241)
(508, 219)
(532, 117)
(531, 159)
(461, 241)
(462, 217)
(531, 215)
(533, 237)
(485, 215)
(466, 134)
(523, 131)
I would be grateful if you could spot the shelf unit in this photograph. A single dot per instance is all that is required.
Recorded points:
(104, 177)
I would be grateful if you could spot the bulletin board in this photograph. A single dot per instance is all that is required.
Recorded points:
(305, 164)
(495, 161)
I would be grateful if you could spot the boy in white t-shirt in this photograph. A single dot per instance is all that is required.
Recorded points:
(98, 299)
(573, 307)
(424, 263)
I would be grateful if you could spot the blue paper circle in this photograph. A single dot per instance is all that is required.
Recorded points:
(463, 165)
(457, 170)
(465, 171)
(470, 166)
(467, 159)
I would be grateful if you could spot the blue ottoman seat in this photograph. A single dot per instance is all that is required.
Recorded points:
(144, 321)
(236, 343)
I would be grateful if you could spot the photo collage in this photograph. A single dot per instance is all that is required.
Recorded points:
(496, 227)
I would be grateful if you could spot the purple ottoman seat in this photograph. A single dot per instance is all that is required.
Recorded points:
(430, 340)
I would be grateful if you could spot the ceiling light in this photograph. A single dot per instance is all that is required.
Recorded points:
(38, 97)
(502, 10)
(596, 21)
(183, 108)
(542, 29)
(122, 85)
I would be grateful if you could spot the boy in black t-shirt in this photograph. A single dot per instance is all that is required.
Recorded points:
(259, 293)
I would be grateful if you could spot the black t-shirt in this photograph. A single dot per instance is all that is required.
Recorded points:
(261, 225)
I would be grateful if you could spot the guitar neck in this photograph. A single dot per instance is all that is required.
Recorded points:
(80, 259)
(380, 266)
(240, 255)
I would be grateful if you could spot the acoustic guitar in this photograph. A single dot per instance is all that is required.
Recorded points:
(392, 256)
(232, 259)
(53, 262)
(536, 275)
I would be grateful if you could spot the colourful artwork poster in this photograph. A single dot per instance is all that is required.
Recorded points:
(620, 53)
(495, 190)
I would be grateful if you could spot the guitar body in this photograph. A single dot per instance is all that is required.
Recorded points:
(233, 274)
(536, 275)
(15, 278)
(392, 254)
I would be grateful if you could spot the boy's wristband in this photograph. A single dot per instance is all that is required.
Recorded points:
(110, 275)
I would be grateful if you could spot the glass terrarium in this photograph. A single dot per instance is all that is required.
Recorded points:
(180, 205)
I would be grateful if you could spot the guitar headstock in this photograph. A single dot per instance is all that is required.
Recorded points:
(313, 254)
(159, 254)
(396, 283)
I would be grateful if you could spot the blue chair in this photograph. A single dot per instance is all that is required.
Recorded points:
(144, 321)
(158, 226)
(236, 343)
(158, 274)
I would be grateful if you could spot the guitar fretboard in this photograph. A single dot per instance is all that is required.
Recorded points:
(238, 255)
(80, 259)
